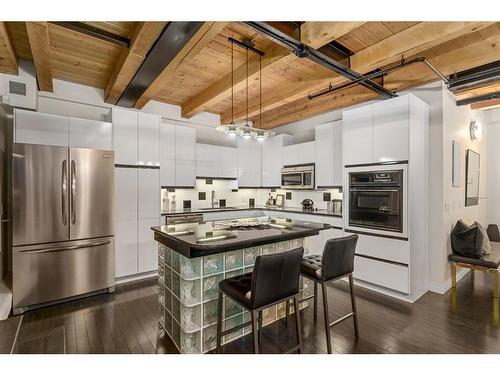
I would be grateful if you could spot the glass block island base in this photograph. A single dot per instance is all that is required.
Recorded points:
(188, 291)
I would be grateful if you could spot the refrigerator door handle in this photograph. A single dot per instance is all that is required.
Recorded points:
(74, 247)
(64, 192)
(73, 191)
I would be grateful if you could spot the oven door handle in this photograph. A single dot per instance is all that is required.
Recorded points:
(375, 190)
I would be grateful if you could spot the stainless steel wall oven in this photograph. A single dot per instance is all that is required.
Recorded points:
(376, 200)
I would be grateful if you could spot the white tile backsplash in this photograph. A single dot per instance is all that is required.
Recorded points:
(223, 190)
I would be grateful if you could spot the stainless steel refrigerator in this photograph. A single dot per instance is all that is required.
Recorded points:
(63, 223)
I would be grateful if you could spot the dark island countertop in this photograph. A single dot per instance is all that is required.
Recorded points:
(183, 211)
(195, 240)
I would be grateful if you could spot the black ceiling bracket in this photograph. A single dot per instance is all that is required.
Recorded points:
(304, 51)
(247, 44)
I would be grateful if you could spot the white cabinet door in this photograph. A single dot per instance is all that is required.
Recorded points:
(301, 153)
(185, 143)
(125, 136)
(272, 161)
(147, 248)
(148, 139)
(249, 163)
(167, 142)
(337, 154)
(167, 173)
(40, 128)
(185, 173)
(323, 135)
(207, 160)
(90, 134)
(357, 134)
(148, 187)
(227, 160)
(126, 193)
(390, 129)
(126, 248)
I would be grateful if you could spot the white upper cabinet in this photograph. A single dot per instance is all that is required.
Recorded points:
(185, 173)
(148, 192)
(167, 141)
(301, 153)
(40, 128)
(227, 159)
(378, 132)
(390, 129)
(357, 134)
(328, 139)
(90, 134)
(273, 159)
(148, 139)
(125, 136)
(185, 143)
(249, 163)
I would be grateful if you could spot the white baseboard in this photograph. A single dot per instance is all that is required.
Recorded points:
(136, 277)
(443, 286)
(5, 299)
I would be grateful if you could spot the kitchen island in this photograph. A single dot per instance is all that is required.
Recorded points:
(193, 258)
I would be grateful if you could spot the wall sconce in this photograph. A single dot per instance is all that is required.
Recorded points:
(476, 130)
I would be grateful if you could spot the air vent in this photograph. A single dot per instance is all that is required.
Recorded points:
(17, 88)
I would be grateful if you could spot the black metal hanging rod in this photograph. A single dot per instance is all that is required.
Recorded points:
(247, 45)
(480, 98)
(302, 50)
(379, 73)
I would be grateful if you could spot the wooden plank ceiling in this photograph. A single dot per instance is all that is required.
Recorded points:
(201, 79)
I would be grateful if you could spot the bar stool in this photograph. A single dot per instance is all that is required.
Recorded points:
(336, 262)
(275, 278)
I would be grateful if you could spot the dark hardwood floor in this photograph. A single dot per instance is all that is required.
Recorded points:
(127, 322)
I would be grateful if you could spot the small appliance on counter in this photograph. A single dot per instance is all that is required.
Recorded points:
(335, 206)
(307, 205)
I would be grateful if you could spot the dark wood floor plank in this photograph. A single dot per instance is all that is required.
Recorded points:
(8, 332)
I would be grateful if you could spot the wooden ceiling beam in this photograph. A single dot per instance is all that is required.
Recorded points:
(465, 52)
(409, 45)
(38, 35)
(411, 41)
(488, 104)
(275, 58)
(8, 58)
(203, 36)
(143, 38)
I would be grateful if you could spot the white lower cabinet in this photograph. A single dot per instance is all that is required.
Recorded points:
(147, 250)
(148, 193)
(390, 275)
(126, 248)
(126, 193)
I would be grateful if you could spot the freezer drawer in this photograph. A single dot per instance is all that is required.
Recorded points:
(48, 272)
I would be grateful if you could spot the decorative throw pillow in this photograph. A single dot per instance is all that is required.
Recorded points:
(486, 241)
(467, 240)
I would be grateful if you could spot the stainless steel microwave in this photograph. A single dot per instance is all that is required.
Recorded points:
(298, 177)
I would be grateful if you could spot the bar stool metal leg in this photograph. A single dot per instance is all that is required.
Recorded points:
(327, 319)
(353, 303)
(255, 334)
(315, 301)
(261, 322)
(287, 312)
(297, 323)
(219, 323)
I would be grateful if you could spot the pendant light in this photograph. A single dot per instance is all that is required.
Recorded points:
(246, 130)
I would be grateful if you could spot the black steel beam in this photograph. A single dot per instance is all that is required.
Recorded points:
(95, 32)
(172, 39)
(302, 50)
(476, 76)
(480, 98)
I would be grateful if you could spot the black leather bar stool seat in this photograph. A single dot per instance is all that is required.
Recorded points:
(275, 278)
(336, 262)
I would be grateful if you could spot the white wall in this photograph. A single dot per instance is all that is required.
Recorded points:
(492, 126)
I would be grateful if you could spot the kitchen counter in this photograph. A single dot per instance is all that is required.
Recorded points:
(195, 240)
(192, 260)
(181, 211)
